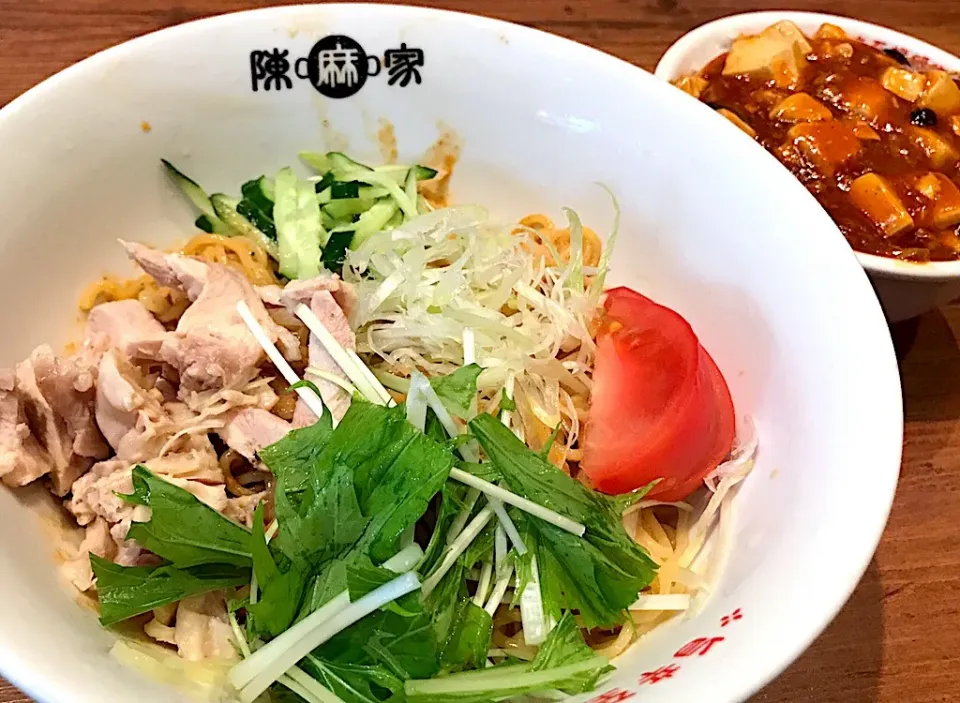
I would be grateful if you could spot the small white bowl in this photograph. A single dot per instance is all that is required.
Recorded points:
(779, 301)
(905, 289)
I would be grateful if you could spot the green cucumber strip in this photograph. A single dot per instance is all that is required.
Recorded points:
(341, 164)
(373, 220)
(299, 226)
(339, 191)
(208, 221)
(335, 250)
(315, 160)
(226, 209)
(260, 192)
(258, 218)
(346, 208)
(328, 180)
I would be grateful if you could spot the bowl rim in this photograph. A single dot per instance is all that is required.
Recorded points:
(734, 25)
(784, 654)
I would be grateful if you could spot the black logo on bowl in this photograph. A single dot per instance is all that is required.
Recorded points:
(337, 67)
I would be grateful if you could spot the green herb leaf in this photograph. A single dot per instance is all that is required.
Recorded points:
(507, 403)
(126, 591)
(467, 644)
(564, 645)
(458, 390)
(485, 470)
(396, 471)
(329, 523)
(599, 574)
(182, 529)
(353, 683)
(293, 457)
(404, 644)
(281, 590)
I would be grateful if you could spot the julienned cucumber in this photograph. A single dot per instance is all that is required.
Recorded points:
(257, 205)
(299, 227)
(208, 221)
(335, 250)
(350, 200)
(373, 220)
(261, 192)
(341, 164)
(225, 208)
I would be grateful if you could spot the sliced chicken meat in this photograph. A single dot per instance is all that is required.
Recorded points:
(97, 540)
(95, 494)
(119, 398)
(241, 509)
(22, 458)
(49, 427)
(302, 291)
(249, 430)
(67, 383)
(127, 326)
(212, 346)
(337, 400)
(202, 630)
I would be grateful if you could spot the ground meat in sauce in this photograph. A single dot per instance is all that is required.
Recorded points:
(869, 129)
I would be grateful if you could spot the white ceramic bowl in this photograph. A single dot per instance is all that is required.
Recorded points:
(772, 289)
(905, 289)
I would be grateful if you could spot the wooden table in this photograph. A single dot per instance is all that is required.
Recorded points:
(898, 637)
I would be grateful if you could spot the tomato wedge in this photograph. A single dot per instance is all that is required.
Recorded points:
(660, 408)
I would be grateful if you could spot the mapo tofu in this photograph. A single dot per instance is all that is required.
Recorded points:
(873, 134)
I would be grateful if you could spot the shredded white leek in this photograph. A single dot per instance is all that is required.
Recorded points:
(332, 377)
(458, 547)
(535, 623)
(499, 589)
(520, 502)
(312, 400)
(254, 675)
(473, 290)
(483, 585)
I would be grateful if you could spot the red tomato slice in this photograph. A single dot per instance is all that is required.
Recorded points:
(660, 407)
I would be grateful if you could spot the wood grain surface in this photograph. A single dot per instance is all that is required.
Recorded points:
(898, 637)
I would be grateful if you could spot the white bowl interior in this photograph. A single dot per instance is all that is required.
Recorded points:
(779, 301)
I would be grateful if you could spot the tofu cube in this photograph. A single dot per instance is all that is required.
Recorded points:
(928, 185)
(733, 117)
(941, 94)
(945, 211)
(865, 132)
(692, 85)
(905, 84)
(826, 145)
(867, 99)
(778, 53)
(791, 33)
(830, 31)
(874, 196)
(941, 153)
(800, 107)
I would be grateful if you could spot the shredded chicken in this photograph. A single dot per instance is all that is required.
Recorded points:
(22, 458)
(211, 347)
(135, 392)
(328, 311)
(127, 326)
(202, 630)
(97, 540)
(249, 430)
